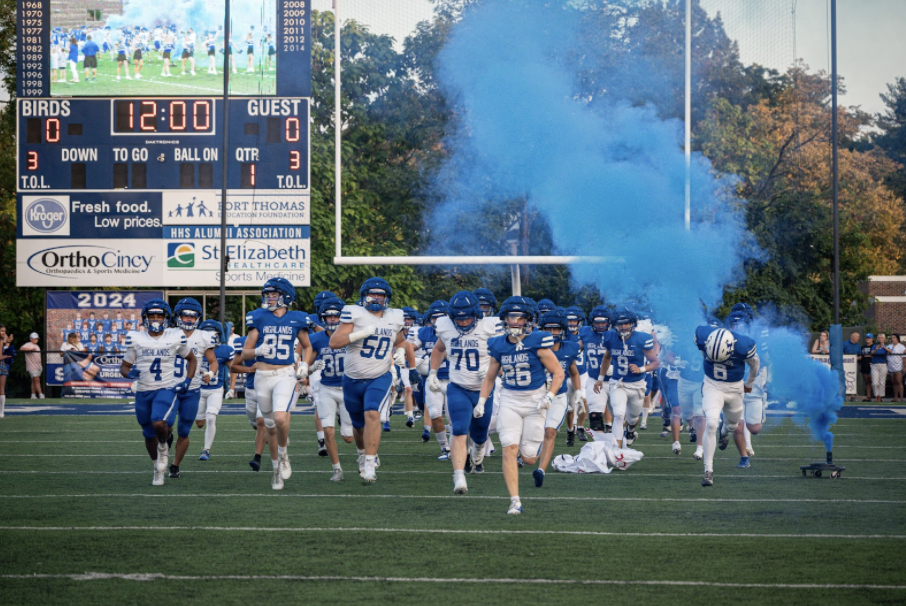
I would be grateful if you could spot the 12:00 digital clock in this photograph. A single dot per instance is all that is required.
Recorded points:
(163, 116)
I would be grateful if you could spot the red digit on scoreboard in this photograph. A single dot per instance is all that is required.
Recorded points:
(146, 121)
(32, 162)
(177, 115)
(292, 130)
(52, 130)
(201, 116)
(295, 160)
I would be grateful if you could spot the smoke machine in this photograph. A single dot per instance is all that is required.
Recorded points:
(818, 469)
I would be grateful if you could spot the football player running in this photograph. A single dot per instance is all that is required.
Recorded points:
(374, 335)
(634, 354)
(567, 350)
(726, 355)
(211, 400)
(578, 411)
(163, 358)
(592, 337)
(329, 396)
(273, 331)
(523, 399)
(487, 301)
(463, 344)
(426, 338)
(754, 402)
(187, 315)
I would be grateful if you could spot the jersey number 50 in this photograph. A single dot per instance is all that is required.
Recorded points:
(376, 347)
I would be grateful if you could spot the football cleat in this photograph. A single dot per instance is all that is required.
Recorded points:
(583, 437)
(377, 461)
(693, 437)
(459, 485)
(630, 437)
(723, 441)
(666, 432)
(163, 455)
(643, 428)
(417, 416)
(444, 455)
(677, 449)
(322, 448)
(158, 478)
(520, 462)
(708, 479)
(174, 471)
(515, 508)
(426, 435)
(204, 456)
(386, 426)
(255, 464)
(277, 482)
(538, 474)
(570, 438)
(337, 475)
(749, 451)
(286, 471)
(361, 463)
(608, 428)
(744, 463)
(468, 467)
(369, 475)
(698, 454)
(479, 468)
(410, 422)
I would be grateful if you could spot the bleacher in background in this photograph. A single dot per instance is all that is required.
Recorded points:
(75, 13)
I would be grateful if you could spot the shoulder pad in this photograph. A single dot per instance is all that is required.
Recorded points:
(350, 313)
(492, 325)
(538, 339)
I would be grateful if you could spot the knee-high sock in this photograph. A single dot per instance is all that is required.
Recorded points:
(210, 430)
(442, 439)
(709, 443)
(2, 405)
(748, 435)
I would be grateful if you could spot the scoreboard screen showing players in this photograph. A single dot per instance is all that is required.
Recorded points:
(155, 48)
(125, 188)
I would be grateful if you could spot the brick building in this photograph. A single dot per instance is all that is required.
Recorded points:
(886, 302)
(75, 13)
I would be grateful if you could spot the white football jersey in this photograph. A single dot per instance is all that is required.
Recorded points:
(421, 356)
(468, 353)
(160, 360)
(373, 356)
(200, 341)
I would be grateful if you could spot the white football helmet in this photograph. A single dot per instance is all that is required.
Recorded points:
(719, 346)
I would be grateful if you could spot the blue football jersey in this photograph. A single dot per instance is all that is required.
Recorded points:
(425, 338)
(522, 369)
(734, 369)
(567, 354)
(237, 350)
(594, 350)
(332, 373)
(631, 351)
(581, 359)
(279, 332)
(223, 354)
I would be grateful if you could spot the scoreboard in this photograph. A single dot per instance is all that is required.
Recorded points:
(125, 189)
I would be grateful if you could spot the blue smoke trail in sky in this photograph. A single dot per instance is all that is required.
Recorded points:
(607, 176)
(200, 15)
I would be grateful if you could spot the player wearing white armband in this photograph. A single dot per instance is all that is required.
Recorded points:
(157, 355)
(523, 356)
(599, 417)
(329, 396)
(374, 336)
(463, 343)
(273, 332)
(211, 400)
(726, 356)
(426, 338)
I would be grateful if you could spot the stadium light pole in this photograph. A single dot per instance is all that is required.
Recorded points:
(688, 213)
(835, 174)
(338, 136)
(224, 260)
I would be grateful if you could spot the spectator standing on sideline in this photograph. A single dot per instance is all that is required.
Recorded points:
(879, 353)
(821, 346)
(865, 364)
(852, 347)
(90, 50)
(7, 355)
(895, 366)
(33, 364)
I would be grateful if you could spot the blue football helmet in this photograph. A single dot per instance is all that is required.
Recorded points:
(575, 319)
(487, 300)
(322, 296)
(536, 315)
(464, 305)
(435, 311)
(623, 317)
(714, 323)
(215, 327)
(555, 319)
(599, 319)
(410, 316)
(545, 305)
(744, 309)
(373, 288)
(156, 306)
(188, 307)
(286, 294)
(512, 309)
(738, 321)
(330, 313)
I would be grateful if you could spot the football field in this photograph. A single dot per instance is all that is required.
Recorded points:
(82, 524)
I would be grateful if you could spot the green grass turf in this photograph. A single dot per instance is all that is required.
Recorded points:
(85, 479)
(152, 83)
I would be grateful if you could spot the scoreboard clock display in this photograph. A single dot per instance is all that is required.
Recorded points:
(124, 139)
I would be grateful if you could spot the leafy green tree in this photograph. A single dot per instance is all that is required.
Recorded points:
(893, 136)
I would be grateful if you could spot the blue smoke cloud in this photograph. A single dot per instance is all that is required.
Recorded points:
(607, 176)
(200, 15)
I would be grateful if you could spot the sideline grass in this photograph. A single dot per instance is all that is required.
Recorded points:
(203, 525)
